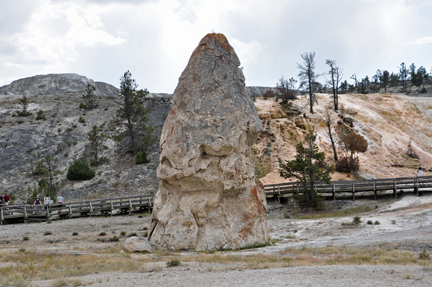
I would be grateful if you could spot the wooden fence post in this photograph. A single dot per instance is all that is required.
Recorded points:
(70, 211)
(375, 192)
(25, 214)
(334, 191)
(394, 188)
(112, 208)
(279, 193)
(1, 215)
(130, 206)
(91, 209)
(353, 190)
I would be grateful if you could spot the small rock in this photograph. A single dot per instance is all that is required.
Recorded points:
(54, 240)
(139, 244)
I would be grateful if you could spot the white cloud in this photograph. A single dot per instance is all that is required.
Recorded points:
(421, 41)
(56, 32)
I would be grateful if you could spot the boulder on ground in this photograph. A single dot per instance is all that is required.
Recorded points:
(139, 244)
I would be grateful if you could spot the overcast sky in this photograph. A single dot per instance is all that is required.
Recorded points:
(154, 39)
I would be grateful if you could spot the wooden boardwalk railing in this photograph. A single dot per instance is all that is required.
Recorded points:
(353, 187)
(28, 212)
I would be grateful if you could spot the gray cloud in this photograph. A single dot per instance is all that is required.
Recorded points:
(154, 39)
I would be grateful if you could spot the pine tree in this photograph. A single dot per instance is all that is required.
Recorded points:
(131, 117)
(90, 99)
(96, 137)
(309, 167)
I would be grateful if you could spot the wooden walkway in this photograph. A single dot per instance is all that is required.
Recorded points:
(341, 188)
(28, 212)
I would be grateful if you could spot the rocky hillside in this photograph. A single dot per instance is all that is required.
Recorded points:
(387, 121)
(62, 135)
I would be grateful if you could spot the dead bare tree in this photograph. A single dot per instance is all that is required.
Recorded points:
(330, 133)
(308, 77)
(336, 75)
(285, 90)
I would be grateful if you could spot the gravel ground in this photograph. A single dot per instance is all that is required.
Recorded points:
(292, 276)
(406, 222)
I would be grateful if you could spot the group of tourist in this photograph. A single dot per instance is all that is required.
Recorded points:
(47, 200)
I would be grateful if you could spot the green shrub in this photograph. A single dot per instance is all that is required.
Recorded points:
(141, 157)
(173, 262)
(25, 238)
(356, 220)
(424, 255)
(102, 234)
(132, 234)
(80, 170)
(40, 115)
(123, 233)
(82, 106)
(369, 222)
(74, 233)
(81, 120)
(47, 233)
(114, 239)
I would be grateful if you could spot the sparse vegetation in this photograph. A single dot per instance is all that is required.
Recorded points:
(74, 233)
(40, 115)
(173, 262)
(424, 255)
(48, 233)
(114, 239)
(141, 157)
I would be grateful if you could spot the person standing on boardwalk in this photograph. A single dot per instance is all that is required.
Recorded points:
(6, 199)
(60, 201)
(37, 202)
(420, 172)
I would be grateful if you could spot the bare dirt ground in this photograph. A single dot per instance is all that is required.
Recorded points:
(306, 252)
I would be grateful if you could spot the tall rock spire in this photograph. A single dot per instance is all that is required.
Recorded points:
(208, 196)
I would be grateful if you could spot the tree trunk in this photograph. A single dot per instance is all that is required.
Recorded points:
(310, 96)
(333, 144)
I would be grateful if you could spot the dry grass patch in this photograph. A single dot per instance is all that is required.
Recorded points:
(34, 266)
(338, 213)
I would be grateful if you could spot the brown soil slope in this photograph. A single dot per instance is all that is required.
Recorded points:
(387, 121)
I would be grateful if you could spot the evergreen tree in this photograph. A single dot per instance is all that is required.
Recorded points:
(90, 99)
(131, 117)
(309, 167)
(96, 137)
(403, 74)
(385, 80)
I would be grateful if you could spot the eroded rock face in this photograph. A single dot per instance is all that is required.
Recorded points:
(208, 196)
